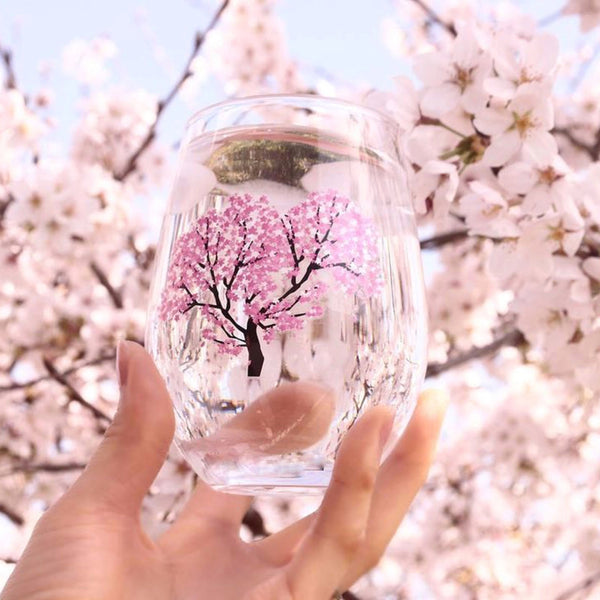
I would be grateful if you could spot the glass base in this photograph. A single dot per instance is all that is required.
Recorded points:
(308, 484)
(268, 476)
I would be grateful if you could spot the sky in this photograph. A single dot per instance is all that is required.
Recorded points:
(341, 36)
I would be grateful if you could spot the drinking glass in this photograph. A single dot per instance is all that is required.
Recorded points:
(288, 295)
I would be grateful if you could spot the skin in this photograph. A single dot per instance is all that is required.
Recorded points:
(90, 544)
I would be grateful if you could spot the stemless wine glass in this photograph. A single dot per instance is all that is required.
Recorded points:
(288, 292)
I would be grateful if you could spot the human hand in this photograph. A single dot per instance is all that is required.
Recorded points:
(90, 545)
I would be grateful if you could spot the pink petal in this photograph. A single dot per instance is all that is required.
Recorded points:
(541, 54)
(439, 100)
(492, 121)
(540, 146)
(502, 149)
(518, 178)
(433, 68)
(503, 89)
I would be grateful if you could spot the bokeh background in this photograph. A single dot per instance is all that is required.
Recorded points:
(511, 507)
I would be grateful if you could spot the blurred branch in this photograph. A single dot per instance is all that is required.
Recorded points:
(434, 17)
(512, 338)
(4, 207)
(75, 395)
(584, 68)
(254, 521)
(444, 238)
(11, 514)
(8, 560)
(547, 20)
(10, 80)
(115, 296)
(584, 585)
(90, 363)
(26, 467)
(592, 150)
(131, 164)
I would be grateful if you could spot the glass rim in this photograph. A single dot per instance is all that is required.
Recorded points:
(283, 98)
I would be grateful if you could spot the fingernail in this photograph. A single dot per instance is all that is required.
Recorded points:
(122, 362)
(385, 431)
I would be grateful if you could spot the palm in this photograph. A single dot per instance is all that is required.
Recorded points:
(90, 545)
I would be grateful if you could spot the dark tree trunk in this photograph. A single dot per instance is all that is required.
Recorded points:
(254, 350)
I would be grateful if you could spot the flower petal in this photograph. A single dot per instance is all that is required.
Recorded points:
(540, 146)
(440, 99)
(502, 149)
(518, 178)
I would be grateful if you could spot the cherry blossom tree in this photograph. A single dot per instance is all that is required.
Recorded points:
(248, 268)
(502, 137)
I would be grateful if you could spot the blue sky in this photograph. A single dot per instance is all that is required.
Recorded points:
(342, 36)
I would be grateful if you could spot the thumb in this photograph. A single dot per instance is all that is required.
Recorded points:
(136, 443)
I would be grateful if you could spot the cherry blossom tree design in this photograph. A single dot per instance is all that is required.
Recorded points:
(247, 269)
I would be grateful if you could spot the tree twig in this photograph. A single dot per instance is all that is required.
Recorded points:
(584, 585)
(131, 164)
(512, 338)
(254, 521)
(434, 17)
(26, 467)
(592, 150)
(75, 395)
(115, 295)
(10, 79)
(548, 19)
(11, 514)
(444, 238)
(90, 363)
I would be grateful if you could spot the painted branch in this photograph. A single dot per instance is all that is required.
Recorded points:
(512, 338)
(132, 162)
(74, 394)
(115, 296)
(255, 354)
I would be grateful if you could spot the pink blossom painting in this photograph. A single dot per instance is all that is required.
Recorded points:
(252, 272)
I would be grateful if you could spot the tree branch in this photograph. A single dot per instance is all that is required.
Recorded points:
(131, 164)
(254, 521)
(75, 395)
(592, 150)
(435, 18)
(115, 296)
(444, 238)
(584, 585)
(10, 80)
(26, 467)
(90, 363)
(11, 515)
(512, 338)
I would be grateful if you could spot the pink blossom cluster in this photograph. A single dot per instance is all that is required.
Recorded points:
(512, 508)
(480, 136)
(248, 51)
(249, 263)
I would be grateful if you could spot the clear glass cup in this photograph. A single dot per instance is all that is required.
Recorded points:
(288, 293)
